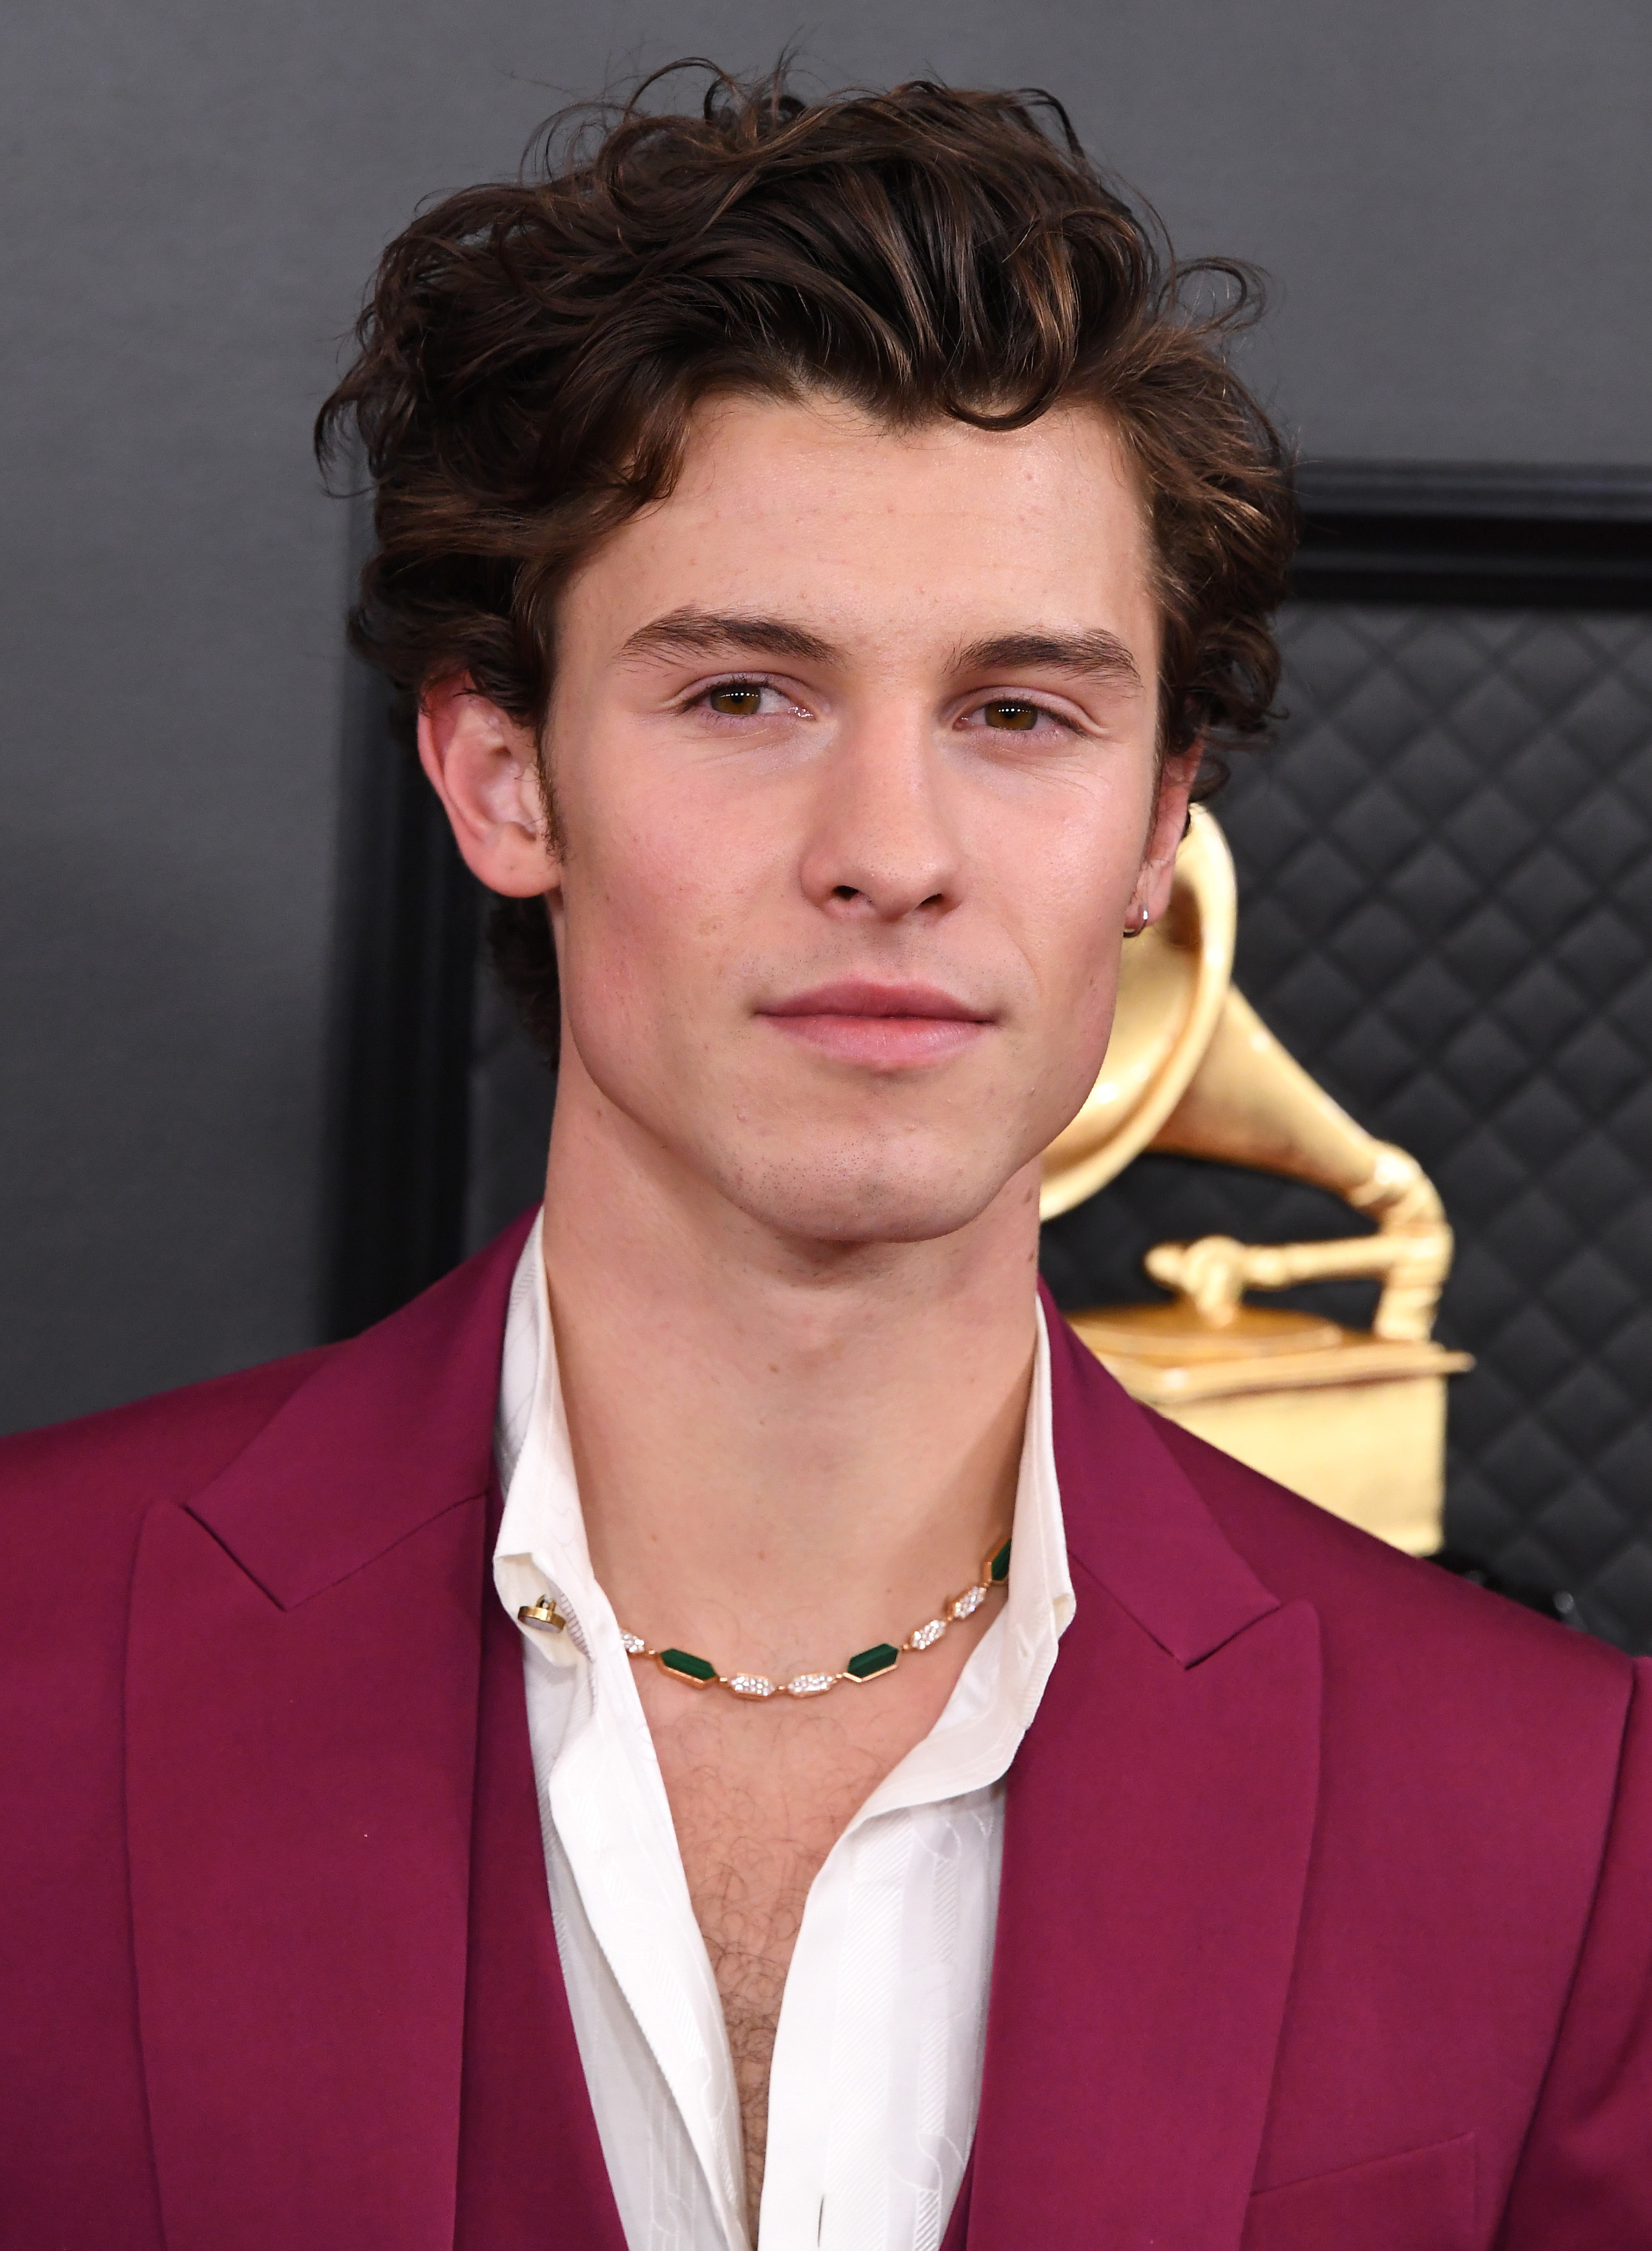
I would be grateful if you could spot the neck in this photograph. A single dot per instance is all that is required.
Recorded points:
(786, 1449)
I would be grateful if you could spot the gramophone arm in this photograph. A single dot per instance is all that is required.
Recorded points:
(1250, 1104)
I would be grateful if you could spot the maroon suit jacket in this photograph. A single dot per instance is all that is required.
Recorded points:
(1326, 1918)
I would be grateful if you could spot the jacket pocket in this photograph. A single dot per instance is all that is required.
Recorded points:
(1421, 2200)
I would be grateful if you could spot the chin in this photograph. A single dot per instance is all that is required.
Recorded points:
(850, 1196)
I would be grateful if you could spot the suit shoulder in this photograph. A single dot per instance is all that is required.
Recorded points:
(1379, 1606)
(116, 1463)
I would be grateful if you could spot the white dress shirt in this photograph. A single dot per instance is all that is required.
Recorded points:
(876, 2072)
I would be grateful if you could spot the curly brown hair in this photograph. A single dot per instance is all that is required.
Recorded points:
(531, 354)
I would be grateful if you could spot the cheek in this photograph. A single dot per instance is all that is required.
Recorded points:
(647, 919)
(1077, 1001)
(1081, 873)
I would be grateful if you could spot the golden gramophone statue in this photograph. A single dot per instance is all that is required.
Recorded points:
(1353, 1418)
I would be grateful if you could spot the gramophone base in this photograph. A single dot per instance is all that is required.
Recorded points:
(1357, 1425)
(1373, 1453)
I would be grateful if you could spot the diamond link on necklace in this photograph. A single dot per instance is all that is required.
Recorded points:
(866, 1663)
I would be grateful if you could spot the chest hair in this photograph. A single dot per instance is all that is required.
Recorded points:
(754, 1820)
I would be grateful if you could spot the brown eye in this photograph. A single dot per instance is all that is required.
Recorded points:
(1008, 713)
(738, 700)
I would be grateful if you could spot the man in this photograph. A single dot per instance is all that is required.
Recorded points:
(720, 1723)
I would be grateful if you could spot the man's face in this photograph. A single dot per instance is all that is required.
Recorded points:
(854, 747)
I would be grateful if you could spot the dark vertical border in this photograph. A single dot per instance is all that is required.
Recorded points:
(407, 935)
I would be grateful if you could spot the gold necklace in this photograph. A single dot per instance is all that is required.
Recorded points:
(865, 1664)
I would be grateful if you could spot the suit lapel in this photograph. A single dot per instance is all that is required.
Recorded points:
(531, 2167)
(302, 1671)
(302, 1715)
(1158, 1824)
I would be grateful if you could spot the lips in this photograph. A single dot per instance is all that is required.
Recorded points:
(885, 1026)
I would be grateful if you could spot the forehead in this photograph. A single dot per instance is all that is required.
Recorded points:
(817, 510)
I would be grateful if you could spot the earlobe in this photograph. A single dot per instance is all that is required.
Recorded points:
(483, 765)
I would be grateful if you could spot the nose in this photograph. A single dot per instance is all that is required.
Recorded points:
(880, 845)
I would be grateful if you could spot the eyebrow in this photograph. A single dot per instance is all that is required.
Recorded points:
(689, 631)
(702, 633)
(1090, 655)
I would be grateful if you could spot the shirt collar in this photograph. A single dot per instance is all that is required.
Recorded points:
(542, 1549)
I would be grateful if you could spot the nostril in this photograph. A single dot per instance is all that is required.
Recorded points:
(846, 891)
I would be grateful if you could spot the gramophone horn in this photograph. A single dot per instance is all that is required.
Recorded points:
(1171, 988)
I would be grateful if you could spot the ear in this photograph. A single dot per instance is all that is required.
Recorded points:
(1176, 779)
(482, 764)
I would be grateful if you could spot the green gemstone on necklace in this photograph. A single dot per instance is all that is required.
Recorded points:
(687, 1667)
(865, 1664)
(870, 1662)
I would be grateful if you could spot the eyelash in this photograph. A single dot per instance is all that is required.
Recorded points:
(701, 700)
(739, 681)
(1025, 702)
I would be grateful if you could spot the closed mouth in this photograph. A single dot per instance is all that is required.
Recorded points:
(859, 1019)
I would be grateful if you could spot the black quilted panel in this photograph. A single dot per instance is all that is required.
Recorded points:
(1446, 895)
(1446, 914)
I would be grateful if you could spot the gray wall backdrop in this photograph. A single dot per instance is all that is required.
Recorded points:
(1453, 197)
